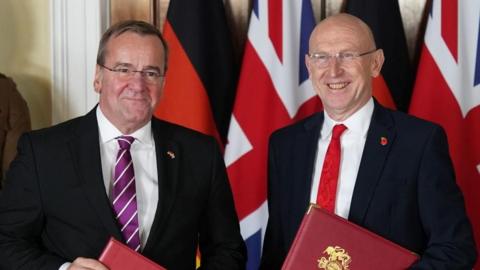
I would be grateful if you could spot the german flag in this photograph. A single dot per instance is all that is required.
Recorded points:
(201, 76)
(394, 88)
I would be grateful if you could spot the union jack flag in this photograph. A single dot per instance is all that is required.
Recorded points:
(273, 91)
(447, 91)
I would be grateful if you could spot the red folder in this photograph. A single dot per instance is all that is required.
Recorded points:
(117, 256)
(327, 241)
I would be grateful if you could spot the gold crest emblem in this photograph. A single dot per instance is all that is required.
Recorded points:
(338, 259)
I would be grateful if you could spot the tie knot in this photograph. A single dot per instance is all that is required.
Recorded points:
(337, 131)
(125, 142)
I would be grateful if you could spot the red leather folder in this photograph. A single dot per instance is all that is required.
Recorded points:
(117, 256)
(327, 241)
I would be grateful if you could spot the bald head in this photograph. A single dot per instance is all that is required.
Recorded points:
(360, 32)
(342, 61)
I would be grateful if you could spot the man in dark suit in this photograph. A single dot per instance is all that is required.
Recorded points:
(56, 210)
(395, 176)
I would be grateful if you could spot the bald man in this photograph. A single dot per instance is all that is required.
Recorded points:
(395, 177)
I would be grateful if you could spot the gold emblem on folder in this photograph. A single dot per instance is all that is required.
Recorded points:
(338, 259)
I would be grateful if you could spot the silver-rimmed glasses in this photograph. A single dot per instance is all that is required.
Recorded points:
(151, 76)
(322, 60)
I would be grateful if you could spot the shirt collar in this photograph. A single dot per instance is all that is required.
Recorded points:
(357, 123)
(109, 132)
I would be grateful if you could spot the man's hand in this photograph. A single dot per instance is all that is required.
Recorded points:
(86, 264)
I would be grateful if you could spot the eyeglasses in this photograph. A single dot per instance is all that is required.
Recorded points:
(321, 60)
(151, 76)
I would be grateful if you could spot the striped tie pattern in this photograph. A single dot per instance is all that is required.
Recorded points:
(124, 195)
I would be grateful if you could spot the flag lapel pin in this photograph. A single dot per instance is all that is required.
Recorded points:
(171, 154)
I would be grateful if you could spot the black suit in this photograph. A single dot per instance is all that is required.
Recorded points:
(55, 207)
(405, 190)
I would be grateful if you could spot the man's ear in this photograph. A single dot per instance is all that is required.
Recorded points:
(308, 65)
(377, 62)
(97, 81)
(163, 82)
(162, 88)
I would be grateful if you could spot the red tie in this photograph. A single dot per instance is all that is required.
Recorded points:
(327, 189)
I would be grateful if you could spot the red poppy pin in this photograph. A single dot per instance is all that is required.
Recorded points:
(383, 141)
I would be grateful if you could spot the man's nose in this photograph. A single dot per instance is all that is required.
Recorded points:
(137, 81)
(334, 66)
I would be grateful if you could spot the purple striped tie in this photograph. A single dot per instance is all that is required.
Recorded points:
(123, 194)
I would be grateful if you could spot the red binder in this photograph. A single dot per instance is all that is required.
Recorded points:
(327, 241)
(117, 256)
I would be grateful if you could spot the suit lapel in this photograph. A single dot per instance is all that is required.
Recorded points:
(380, 138)
(168, 160)
(85, 149)
(303, 160)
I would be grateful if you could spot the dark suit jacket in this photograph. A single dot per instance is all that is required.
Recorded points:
(54, 207)
(405, 190)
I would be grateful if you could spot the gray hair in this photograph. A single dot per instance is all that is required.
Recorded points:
(140, 27)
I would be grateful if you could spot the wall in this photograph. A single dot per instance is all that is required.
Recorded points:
(76, 29)
(25, 54)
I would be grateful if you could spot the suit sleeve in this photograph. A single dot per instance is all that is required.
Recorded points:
(21, 216)
(221, 244)
(450, 239)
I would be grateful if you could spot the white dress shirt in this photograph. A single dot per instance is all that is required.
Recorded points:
(352, 143)
(144, 164)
